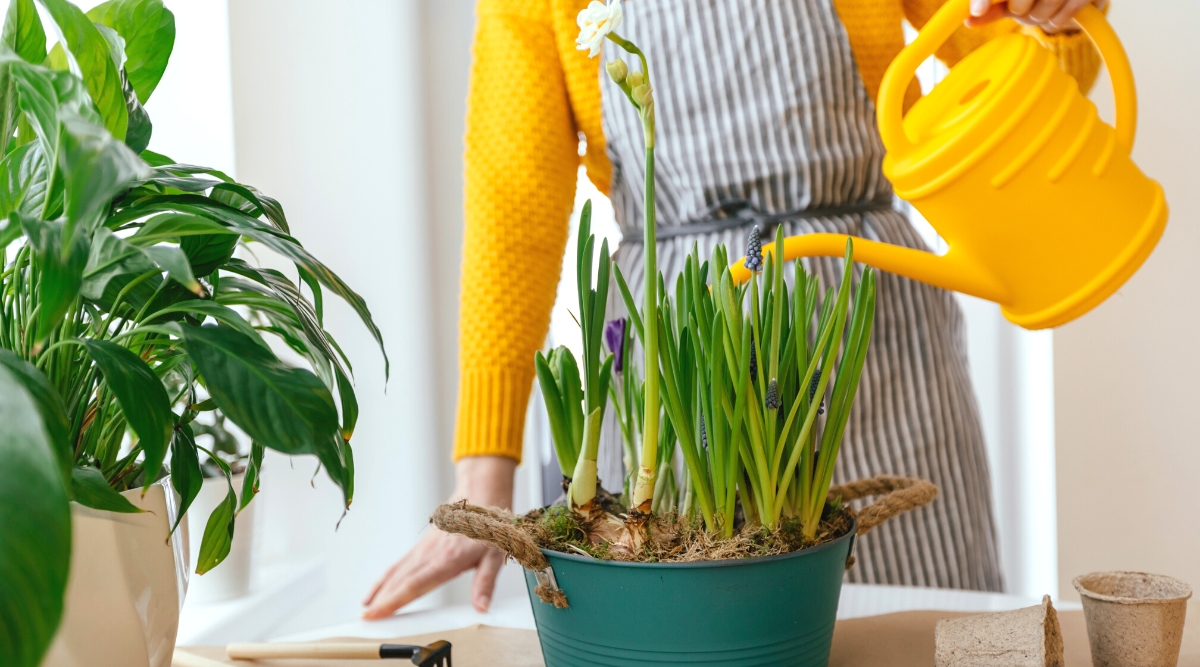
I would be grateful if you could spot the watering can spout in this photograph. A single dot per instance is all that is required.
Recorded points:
(1042, 206)
(946, 271)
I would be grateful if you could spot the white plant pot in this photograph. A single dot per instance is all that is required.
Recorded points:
(230, 579)
(126, 586)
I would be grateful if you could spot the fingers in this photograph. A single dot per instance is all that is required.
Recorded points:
(451, 556)
(1020, 7)
(403, 566)
(485, 580)
(1044, 10)
(1065, 18)
(993, 13)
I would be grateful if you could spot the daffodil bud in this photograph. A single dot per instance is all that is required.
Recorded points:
(617, 70)
(635, 79)
(642, 95)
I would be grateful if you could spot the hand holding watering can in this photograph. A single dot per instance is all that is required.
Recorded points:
(1043, 209)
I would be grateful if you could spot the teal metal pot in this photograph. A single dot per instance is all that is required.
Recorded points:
(777, 610)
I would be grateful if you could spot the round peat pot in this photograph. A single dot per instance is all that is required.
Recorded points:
(777, 610)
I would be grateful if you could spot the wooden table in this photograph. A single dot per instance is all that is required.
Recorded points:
(879, 626)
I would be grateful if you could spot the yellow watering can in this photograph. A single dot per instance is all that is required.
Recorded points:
(1043, 209)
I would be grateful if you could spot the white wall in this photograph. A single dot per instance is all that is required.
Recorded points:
(328, 106)
(1128, 461)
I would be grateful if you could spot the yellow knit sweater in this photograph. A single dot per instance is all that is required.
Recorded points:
(532, 97)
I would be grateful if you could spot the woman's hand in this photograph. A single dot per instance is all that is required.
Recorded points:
(439, 556)
(1050, 15)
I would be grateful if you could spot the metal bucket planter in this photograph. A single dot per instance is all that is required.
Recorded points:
(777, 610)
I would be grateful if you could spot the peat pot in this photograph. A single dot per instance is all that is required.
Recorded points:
(127, 582)
(776, 610)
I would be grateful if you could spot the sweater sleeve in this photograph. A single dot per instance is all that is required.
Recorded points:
(1075, 51)
(521, 164)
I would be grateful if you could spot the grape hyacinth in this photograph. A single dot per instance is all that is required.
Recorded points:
(772, 400)
(614, 338)
(812, 390)
(753, 364)
(754, 257)
(703, 433)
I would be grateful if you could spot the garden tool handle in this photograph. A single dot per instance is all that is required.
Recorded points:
(948, 19)
(944, 271)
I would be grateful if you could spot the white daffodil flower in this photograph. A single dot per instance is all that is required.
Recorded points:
(595, 23)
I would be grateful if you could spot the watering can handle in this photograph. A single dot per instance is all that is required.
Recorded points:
(942, 26)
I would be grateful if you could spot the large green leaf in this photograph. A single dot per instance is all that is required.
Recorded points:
(90, 489)
(93, 56)
(35, 521)
(149, 31)
(173, 260)
(61, 270)
(49, 403)
(95, 165)
(23, 31)
(186, 475)
(253, 475)
(171, 226)
(23, 178)
(222, 314)
(142, 397)
(111, 256)
(287, 409)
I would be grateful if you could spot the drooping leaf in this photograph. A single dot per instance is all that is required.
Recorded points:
(95, 165)
(149, 31)
(48, 402)
(90, 489)
(35, 551)
(23, 179)
(92, 55)
(349, 405)
(171, 226)
(218, 532)
(252, 476)
(287, 409)
(186, 476)
(172, 260)
(61, 270)
(23, 31)
(142, 397)
(137, 137)
(111, 256)
(223, 314)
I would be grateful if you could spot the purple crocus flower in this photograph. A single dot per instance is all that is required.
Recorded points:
(614, 338)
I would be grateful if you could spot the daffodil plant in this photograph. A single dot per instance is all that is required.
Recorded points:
(598, 22)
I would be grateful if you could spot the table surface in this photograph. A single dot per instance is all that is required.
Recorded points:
(858, 600)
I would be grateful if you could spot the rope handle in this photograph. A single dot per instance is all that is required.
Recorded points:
(499, 528)
(898, 495)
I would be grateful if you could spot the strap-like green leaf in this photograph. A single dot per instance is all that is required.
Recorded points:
(90, 489)
(61, 270)
(142, 397)
(186, 475)
(149, 31)
(218, 532)
(23, 31)
(93, 55)
(35, 551)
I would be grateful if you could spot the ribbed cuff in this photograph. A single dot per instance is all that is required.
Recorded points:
(1076, 54)
(491, 412)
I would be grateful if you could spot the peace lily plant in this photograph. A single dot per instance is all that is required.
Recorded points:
(755, 380)
(125, 313)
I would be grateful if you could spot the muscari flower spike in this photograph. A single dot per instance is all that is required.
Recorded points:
(753, 364)
(614, 338)
(703, 433)
(754, 257)
(773, 402)
(812, 390)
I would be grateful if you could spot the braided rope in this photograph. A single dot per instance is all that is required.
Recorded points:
(899, 494)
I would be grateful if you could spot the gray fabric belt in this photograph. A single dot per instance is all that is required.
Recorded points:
(738, 213)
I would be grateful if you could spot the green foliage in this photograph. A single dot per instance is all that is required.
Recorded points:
(124, 316)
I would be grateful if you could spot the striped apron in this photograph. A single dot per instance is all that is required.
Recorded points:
(763, 119)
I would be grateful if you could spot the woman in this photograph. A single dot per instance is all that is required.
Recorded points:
(765, 112)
